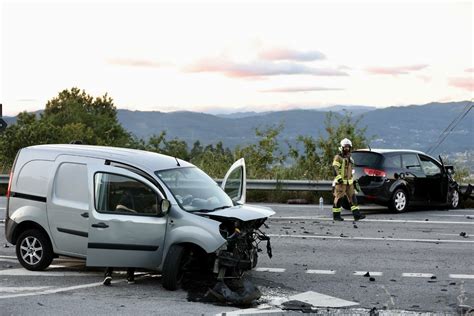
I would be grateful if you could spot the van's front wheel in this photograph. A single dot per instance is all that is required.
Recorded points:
(33, 250)
(173, 267)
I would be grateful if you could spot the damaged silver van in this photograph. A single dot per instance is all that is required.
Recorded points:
(128, 208)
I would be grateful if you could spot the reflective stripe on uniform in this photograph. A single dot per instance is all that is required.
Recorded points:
(336, 209)
(354, 208)
(336, 163)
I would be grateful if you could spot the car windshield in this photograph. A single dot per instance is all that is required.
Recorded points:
(194, 190)
(367, 159)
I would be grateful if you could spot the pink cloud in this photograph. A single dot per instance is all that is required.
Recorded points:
(259, 68)
(135, 62)
(289, 54)
(466, 83)
(301, 89)
(394, 71)
(469, 70)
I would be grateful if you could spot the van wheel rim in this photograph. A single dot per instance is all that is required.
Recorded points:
(400, 201)
(31, 250)
(455, 199)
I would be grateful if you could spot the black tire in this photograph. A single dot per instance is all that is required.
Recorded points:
(399, 201)
(173, 267)
(454, 199)
(34, 250)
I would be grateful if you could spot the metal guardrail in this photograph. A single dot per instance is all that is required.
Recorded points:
(283, 185)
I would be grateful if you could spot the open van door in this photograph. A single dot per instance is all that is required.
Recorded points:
(235, 182)
(127, 227)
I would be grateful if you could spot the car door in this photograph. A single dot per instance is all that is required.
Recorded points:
(68, 204)
(234, 183)
(436, 180)
(125, 226)
(414, 176)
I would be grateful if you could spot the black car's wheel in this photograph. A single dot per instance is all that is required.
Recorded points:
(454, 199)
(399, 201)
(173, 267)
(34, 250)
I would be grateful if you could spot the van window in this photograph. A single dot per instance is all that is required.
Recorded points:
(71, 183)
(410, 161)
(34, 177)
(124, 195)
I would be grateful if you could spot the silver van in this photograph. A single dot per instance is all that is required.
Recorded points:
(129, 208)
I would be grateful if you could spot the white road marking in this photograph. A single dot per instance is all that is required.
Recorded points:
(371, 220)
(373, 238)
(461, 276)
(322, 300)
(417, 275)
(24, 272)
(57, 290)
(320, 271)
(362, 273)
(452, 215)
(270, 270)
(16, 289)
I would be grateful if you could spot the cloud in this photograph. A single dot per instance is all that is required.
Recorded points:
(469, 70)
(301, 89)
(394, 71)
(466, 83)
(259, 68)
(289, 54)
(134, 62)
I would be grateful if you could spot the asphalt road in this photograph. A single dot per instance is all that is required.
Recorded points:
(417, 261)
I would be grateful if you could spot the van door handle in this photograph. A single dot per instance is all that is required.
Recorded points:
(100, 225)
(85, 215)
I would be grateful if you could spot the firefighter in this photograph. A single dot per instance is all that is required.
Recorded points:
(344, 183)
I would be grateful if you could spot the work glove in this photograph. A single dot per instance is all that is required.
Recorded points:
(340, 181)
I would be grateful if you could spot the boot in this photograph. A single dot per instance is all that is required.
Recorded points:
(337, 216)
(358, 215)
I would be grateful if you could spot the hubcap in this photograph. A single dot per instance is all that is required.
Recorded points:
(455, 199)
(31, 250)
(400, 201)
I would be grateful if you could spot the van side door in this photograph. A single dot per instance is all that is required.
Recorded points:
(68, 204)
(235, 182)
(126, 227)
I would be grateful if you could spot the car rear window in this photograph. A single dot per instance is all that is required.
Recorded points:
(367, 159)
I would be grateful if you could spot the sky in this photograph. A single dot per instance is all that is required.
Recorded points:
(224, 57)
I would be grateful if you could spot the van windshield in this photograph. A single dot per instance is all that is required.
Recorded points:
(194, 189)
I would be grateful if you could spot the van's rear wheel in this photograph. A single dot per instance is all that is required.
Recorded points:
(173, 267)
(399, 202)
(34, 250)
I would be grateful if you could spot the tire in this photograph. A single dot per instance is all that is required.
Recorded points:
(454, 199)
(173, 267)
(399, 201)
(34, 250)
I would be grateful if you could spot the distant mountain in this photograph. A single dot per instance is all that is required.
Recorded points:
(354, 109)
(414, 127)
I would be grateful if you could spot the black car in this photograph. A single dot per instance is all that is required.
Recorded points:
(402, 178)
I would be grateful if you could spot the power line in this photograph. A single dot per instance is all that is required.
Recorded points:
(451, 127)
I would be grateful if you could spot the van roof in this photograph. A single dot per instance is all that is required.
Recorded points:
(145, 160)
(385, 151)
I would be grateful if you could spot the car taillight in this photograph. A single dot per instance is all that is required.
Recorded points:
(374, 172)
(9, 184)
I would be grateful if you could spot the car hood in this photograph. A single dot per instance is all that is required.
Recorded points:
(241, 212)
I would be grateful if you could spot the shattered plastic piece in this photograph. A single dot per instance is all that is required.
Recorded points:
(374, 312)
(367, 274)
(6, 246)
(372, 279)
(244, 296)
(355, 226)
(433, 277)
(463, 234)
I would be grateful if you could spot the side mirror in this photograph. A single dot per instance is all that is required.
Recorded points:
(165, 206)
